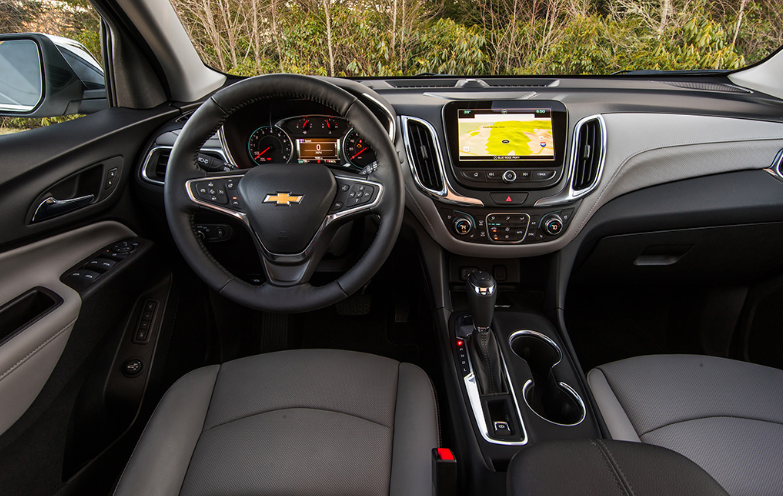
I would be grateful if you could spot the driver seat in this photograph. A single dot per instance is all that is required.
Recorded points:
(299, 422)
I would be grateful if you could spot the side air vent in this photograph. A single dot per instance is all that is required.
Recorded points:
(586, 162)
(161, 161)
(154, 168)
(423, 155)
(587, 154)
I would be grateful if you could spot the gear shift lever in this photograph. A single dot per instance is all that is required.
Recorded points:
(481, 298)
(483, 349)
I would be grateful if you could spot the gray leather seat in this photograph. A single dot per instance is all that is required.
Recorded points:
(302, 422)
(725, 415)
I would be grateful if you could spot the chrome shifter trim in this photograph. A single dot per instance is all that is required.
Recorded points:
(478, 412)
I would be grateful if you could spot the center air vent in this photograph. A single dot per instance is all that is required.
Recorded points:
(588, 154)
(423, 154)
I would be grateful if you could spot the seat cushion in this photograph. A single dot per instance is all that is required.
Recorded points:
(294, 422)
(725, 415)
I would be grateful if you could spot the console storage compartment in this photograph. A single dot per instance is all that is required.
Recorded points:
(24, 310)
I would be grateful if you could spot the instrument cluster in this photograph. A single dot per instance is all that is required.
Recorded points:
(319, 139)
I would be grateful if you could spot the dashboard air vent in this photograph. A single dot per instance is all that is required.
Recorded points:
(588, 152)
(161, 162)
(423, 154)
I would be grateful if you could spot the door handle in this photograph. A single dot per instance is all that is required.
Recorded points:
(52, 207)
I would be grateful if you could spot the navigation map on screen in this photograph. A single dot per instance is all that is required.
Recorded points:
(498, 134)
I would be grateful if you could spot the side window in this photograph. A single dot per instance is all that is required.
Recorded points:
(50, 63)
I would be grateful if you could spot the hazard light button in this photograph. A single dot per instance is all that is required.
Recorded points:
(508, 198)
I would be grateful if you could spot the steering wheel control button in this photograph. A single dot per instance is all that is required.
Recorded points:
(539, 176)
(507, 228)
(132, 367)
(553, 225)
(508, 198)
(463, 226)
(509, 176)
(352, 194)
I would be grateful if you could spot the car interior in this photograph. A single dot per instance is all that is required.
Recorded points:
(420, 286)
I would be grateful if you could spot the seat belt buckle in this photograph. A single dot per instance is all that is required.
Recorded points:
(444, 472)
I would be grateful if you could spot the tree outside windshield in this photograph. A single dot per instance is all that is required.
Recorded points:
(479, 37)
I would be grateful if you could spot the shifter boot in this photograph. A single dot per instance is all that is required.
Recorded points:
(487, 365)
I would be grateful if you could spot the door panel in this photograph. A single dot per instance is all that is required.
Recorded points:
(71, 160)
(29, 356)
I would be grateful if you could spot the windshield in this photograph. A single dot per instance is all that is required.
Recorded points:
(363, 38)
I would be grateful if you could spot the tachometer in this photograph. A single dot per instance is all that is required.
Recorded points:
(269, 144)
(357, 152)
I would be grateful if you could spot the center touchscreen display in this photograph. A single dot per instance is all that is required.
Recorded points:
(505, 134)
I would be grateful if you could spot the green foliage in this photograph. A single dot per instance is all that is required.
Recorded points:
(446, 47)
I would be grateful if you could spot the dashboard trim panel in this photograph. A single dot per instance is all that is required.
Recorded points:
(145, 177)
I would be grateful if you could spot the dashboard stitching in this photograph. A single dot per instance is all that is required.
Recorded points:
(625, 162)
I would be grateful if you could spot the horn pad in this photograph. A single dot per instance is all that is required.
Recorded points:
(287, 203)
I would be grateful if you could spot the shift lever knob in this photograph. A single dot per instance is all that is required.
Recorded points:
(481, 298)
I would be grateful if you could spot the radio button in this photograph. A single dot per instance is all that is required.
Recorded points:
(509, 176)
(474, 175)
(543, 175)
(494, 176)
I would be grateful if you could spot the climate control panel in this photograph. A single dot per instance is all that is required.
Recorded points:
(519, 227)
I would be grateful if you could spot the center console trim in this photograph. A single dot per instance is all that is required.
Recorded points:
(478, 413)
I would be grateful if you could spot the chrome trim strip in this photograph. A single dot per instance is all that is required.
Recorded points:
(284, 258)
(145, 165)
(569, 390)
(478, 412)
(224, 145)
(392, 127)
(447, 193)
(776, 169)
(568, 194)
(541, 336)
(563, 385)
(524, 237)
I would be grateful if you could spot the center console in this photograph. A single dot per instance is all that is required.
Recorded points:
(519, 384)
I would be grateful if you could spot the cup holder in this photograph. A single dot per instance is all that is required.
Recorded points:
(553, 401)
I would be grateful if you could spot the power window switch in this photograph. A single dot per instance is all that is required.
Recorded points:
(100, 264)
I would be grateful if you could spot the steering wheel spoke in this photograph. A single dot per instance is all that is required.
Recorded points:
(355, 196)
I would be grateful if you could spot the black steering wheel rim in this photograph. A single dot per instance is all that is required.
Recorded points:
(182, 167)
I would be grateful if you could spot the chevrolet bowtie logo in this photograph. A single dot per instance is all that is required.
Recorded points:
(283, 199)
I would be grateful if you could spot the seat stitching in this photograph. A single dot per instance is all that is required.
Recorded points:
(294, 408)
(710, 417)
(612, 471)
(617, 465)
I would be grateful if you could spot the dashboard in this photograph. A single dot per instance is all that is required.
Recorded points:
(509, 167)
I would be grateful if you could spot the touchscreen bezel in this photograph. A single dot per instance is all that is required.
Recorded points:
(559, 127)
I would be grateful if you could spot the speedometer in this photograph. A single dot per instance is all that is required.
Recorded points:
(269, 144)
(357, 152)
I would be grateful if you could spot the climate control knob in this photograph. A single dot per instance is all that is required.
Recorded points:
(463, 226)
(552, 224)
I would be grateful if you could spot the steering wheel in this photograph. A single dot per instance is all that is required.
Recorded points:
(292, 211)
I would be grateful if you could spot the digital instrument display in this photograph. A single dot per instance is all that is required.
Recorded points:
(502, 135)
(318, 150)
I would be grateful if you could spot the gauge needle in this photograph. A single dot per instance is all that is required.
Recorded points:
(267, 149)
(304, 124)
(328, 125)
(359, 153)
